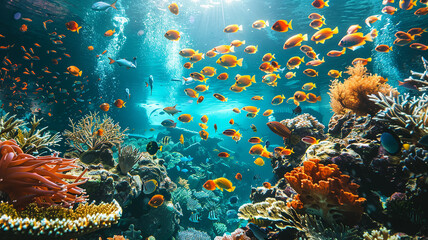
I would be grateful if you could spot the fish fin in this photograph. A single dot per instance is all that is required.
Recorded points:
(319, 98)
(239, 62)
(113, 5)
(296, 102)
(289, 24)
(111, 60)
(323, 21)
(80, 73)
(253, 79)
(302, 59)
(315, 86)
(160, 149)
(369, 59)
(225, 99)
(343, 50)
(340, 74)
(326, 3)
(273, 56)
(390, 48)
(335, 30)
(240, 27)
(124, 104)
(322, 42)
(267, 23)
(289, 99)
(78, 29)
(232, 49)
(305, 37)
(400, 83)
(368, 37)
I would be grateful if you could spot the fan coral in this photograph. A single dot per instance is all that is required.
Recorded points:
(352, 94)
(326, 192)
(26, 178)
(83, 135)
(128, 157)
(407, 115)
(56, 222)
(30, 139)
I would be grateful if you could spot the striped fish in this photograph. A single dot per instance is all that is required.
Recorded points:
(195, 217)
(212, 215)
(165, 140)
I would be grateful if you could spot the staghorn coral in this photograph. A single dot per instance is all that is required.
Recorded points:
(56, 222)
(193, 234)
(326, 192)
(128, 157)
(352, 94)
(408, 116)
(83, 137)
(272, 211)
(26, 178)
(381, 234)
(31, 139)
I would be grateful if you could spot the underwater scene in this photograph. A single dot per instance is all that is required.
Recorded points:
(213, 119)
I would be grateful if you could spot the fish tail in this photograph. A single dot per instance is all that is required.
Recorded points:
(239, 62)
(326, 3)
(400, 83)
(80, 73)
(160, 149)
(335, 30)
(344, 51)
(243, 42)
(225, 99)
(305, 37)
(113, 5)
(323, 21)
(302, 59)
(273, 56)
(78, 29)
(240, 28)
(111, 60)
(253, 79)
(277, 75)
(319, 98)
(123, 105)
(232, 49)
(208, 87)
(369, 59)
(390, 48)
(231, 189)
(289, 24)
(340, 74)
(267, 23)
(368, 37)
(315, 86)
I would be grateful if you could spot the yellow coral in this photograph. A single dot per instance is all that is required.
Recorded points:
(57, 222)
(352, 94)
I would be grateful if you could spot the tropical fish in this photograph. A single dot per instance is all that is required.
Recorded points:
(213, 216)
(124, 62)
(238, 176)
(278, 99)
(232, 28)
(224, 183)
(185, 118)
(73, 26)
(282, 26)
(259, 24)
(308, 86)
(383, 48)
(334, 53)
(75, 71)
(105, 107)
(237, 43)
(156, 201)
(334, 73)
(203, 134)
(255, 140)
(259, 162)
(168, 123)
(109, 33)
(320, 3)
(295, 40)
(172, 35)
(152, 148)
(173, 8)
(220, 97)
(310, 140)
(354, 40)
(195, 217)
(267, 185)
(251, 49)
(171, 110)
(223, 155)
(150, 186)
(204, 118)
(372, 19)
(119, 103)
(324, 34)
(210, 185)
(102, 6)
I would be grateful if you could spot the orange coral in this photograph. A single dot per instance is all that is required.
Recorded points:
(326, 192)
(352, 94)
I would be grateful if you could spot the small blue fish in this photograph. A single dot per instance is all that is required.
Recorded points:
(125, 63)
(102, 6)
(17, 16)
(186, 159)
(184, 170)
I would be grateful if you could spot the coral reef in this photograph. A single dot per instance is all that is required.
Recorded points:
(26, 178)
(133, 234)
(56, 222)
(30, 140)
(326, 192)
(219, 228)
(407, 115)
(194, 234)
(381, 234)
(128, 157)
(238, 234)
(352, 94)
(83, 135)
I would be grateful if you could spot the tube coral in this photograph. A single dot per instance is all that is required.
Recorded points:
(352, 94)
(26, 178)
(326, 192)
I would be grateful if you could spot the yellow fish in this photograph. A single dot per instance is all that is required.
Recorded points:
(227, 61)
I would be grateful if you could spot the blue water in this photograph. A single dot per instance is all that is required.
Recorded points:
(201, 25)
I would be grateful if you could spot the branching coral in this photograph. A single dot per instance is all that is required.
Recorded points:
(26, 178)
(83, 135)
(326, 192)
(30, 139)
(352, 94)
(128, 157)
(381, 234)
(407, 115)
(56, 222)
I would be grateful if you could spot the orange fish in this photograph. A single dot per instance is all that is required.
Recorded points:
(238, 176)
(310, 140)
(282, 26)
(156, 201)
(363, 61)
(232, 28)
(90, 48)
(223, 154)
(231, 121)
(172, 35)
(75, 71)
(100, 132)
(310, 72)
(209, 185)
(419, 46)
(185, 118)
(188, 65)
(109, 33)
(267, 185)
(298, 96)
(295, 40)
(73, 26)
(119, 103)
(223, 76)
(311, 98)
(324, 34)
(320, 3)
(383, 48)
(317, 23)
(334, 53)
(23, 28)
(200, 99)
(255, 140)
(220, 97)
(105, 107)
(215, 127)
(204, 119)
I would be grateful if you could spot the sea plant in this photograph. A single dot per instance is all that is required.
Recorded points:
(128, 157)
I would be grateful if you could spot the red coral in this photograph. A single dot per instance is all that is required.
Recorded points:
(326, 192)
(28, 179)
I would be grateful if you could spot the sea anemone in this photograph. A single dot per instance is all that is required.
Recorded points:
(28, 179)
